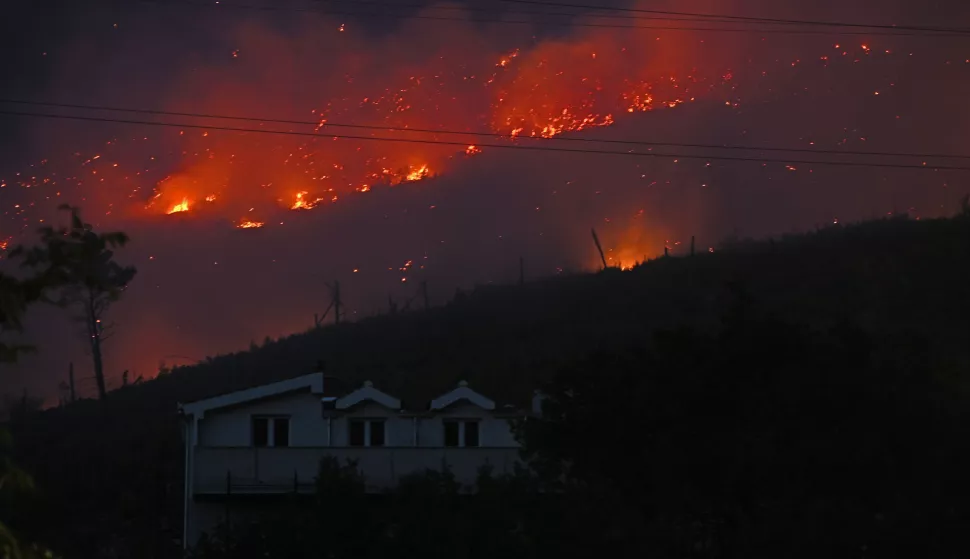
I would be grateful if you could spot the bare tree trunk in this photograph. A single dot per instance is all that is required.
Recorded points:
(95, 341)
(70, 375)
(336, 302)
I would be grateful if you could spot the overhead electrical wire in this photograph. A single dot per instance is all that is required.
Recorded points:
(916, 31)
(628, 153)
(444, 8)
(752, 19)
(463, 8)
(493, 135)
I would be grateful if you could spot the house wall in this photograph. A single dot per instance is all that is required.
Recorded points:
(232, 427)
(493, 431)
(398, 431)
(308, 426)
(224, 446)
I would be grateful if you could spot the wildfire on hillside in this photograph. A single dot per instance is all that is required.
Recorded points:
(466, 98)
(182, 206)
(525, 94)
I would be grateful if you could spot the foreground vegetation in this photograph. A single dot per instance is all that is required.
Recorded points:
(822, 415)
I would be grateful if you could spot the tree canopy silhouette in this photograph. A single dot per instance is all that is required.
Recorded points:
(15, 296)
(80, 263)
(765, 438)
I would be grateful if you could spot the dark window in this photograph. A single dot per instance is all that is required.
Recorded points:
(281, 431)
(451, 433)
(260, 431)
(376, 433)
(471, 433)
(356, 433)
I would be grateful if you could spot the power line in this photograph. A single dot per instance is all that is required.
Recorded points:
(497, 146)
(441, 8)
(621, 16)
(929, 33)
(486, 134)
(743, 18)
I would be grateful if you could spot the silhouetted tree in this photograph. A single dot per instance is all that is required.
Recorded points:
(763, 439)
(81, 263)
(15, 296)
(14, 483)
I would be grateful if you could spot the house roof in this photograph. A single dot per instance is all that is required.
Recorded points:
(462, 393)
(312, 382)
(410, 392)
(367, 393)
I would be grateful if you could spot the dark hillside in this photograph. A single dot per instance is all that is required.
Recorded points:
(114, 468)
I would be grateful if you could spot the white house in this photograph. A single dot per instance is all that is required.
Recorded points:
(269, 440)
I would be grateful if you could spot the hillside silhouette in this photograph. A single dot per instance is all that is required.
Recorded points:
(112, 469)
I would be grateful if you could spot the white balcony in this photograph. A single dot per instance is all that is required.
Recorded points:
(248, 470)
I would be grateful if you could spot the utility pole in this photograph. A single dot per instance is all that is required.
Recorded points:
(70, 377)
(521, 270)
(424, 294)
(692, 245)
(336, 302)
(596, 241)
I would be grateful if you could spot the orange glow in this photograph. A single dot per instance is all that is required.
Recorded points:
(304, 203)
(546, 89)
(636, 243)
(249, 224)
(418, 173)
(182, 206)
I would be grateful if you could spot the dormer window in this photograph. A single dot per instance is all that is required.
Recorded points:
(366, 432)
(461, 433)
(270, 431)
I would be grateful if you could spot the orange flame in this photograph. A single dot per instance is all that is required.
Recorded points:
(303, 203)
(182, 206)
(418, 173)
(544, 91)
(249, 224)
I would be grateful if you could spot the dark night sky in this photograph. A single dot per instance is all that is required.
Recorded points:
(205, 287)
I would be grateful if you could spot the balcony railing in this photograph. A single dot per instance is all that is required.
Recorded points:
(240, 470)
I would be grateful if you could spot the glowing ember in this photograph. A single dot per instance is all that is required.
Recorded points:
(249, 224)
(418, 173)
(304, 203)
(210, 198)
(473, 150)
(182, 206)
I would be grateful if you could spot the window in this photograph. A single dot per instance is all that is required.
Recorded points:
(271, 431)
(471, 433)
(451, 433)
(367, 432)
(281, 431)
(376, 433)
(357, 433)
(260, 431)
(463, 433)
